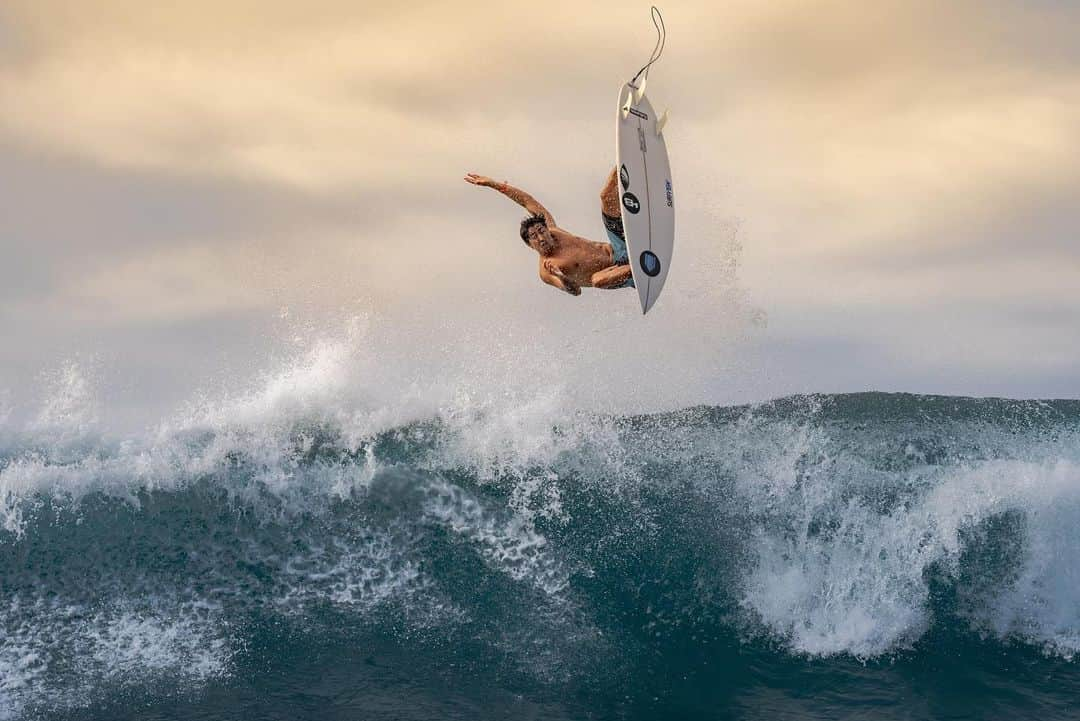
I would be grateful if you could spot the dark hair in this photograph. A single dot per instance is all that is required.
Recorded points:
(529, 222)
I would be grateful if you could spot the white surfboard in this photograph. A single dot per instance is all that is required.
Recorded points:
(647, 198)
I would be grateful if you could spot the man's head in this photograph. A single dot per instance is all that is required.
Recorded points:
(535, 233)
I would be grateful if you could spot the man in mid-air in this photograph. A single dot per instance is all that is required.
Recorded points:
(567, 261)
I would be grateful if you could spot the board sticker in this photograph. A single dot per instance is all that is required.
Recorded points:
(650, 264)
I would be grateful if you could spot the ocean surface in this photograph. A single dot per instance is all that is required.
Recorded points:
(865, 556)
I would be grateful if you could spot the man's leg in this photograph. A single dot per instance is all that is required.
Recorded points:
(616, 276)
(609, 196)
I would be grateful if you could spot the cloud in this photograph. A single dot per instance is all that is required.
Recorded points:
(890, 104)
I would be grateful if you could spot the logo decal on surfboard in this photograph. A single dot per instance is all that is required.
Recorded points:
(624, 178)
(631, 203)
(650, 264)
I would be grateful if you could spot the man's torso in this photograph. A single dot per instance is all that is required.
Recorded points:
(579, 257)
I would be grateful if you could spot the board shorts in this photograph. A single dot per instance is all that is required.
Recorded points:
(617, 238)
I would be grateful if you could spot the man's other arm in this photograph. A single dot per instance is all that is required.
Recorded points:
(551, 275)
(517, 195)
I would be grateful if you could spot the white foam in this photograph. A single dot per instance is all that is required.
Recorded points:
(361, 575)
(131, 643)
(1042, 604)
(21, 670)
(336, 383)
(509, 544)
(836, 573)
(135, 646)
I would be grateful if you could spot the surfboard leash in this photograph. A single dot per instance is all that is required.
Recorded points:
(658, 49)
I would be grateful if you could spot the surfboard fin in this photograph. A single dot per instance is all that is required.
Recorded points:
(628, 103)
(639, 92)
(662, 122)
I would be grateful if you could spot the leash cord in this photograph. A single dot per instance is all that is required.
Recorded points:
(658, 49)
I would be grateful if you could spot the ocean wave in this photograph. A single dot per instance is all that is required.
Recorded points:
(830, 525)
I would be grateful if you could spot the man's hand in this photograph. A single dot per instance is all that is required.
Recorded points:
(482, 180)
(567, 284)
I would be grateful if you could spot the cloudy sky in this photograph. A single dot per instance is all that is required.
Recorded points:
(877, 195)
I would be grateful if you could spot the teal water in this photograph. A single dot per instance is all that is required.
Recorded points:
(854, 556)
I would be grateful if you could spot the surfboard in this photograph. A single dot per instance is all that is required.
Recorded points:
(646, 195)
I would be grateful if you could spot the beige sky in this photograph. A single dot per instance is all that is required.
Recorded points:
(900, 177)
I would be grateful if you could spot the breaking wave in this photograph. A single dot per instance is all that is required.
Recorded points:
(558, 553)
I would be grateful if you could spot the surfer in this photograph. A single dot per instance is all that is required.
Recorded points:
(567, 261)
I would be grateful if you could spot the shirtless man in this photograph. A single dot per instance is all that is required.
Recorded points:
(567, 261)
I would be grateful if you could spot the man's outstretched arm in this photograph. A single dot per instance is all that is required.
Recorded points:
(517, 195)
